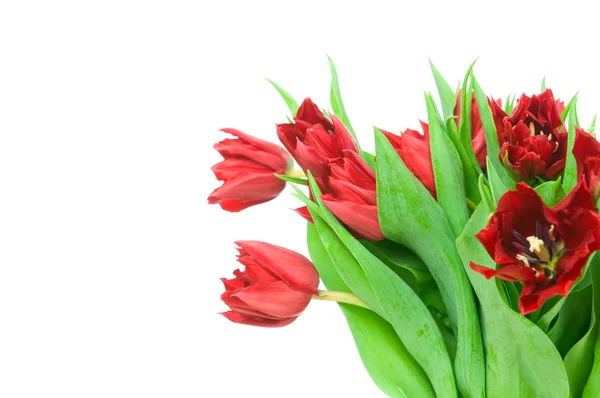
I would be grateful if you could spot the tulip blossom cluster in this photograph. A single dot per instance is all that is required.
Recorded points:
(463, 255)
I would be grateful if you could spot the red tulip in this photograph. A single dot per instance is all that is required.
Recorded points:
(531, 143)
(350, 194)
(587, 155)
(273, 290)
(415, 151)
(248, 171)
(544, 248)
(477, 132)
(313, 139)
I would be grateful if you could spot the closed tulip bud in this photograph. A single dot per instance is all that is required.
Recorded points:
(273, 290)
(248, 171)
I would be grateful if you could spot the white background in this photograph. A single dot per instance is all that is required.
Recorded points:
(109, 254)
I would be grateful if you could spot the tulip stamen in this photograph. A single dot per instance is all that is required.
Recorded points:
(532, 129)
(540, 251)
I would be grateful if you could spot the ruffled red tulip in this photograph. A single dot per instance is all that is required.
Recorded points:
(544, 248)
(350, 194)
(477, 132)
(587, 154)
(248, 171)
(414, 149)
(313, 139)
(273, 290)
(531, 143)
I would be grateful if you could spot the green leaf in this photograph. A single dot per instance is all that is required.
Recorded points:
(509, 105)
(497, 186)
(551, 192)
(289, 100)
(520, 359)
(546, 320)
(409, 215)
(447, 170)
(570, 176)
(447, 95)
(582, 360)
(292, 179)
(336, 100)
(471, 174)
(395, 300)
(567, 110)
(491, 136)
(466, 95)
(573, 320)
(592, 129)
(486, 194)
(544, 84)
(388, 362)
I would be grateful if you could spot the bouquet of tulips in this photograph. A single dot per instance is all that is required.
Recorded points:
(462, 255)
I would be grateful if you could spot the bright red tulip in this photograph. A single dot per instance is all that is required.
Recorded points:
(273, 290)
(587, 154)
(544, 248)
(313, 139)
(248, 171)
(415, 151)
(350, 194)
(531, 143)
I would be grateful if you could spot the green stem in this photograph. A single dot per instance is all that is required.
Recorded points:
(472, 205)
(340, 297)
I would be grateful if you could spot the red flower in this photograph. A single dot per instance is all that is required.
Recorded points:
(313, 139)
(544, 248)
(587, 154)
(248, 171)
(531, 143)
(477, 132)
(350, 194)
(274, 289)
(415, 151)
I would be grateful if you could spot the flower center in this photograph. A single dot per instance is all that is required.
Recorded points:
(541, 251)
(533, 133)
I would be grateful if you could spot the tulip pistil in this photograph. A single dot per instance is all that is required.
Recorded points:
(541, 251)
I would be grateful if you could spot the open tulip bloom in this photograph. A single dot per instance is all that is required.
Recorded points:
(462, 254)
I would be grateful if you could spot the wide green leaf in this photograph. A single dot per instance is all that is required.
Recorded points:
(520, 359)
(447, 170)
(395, 300)
(582, 360)
(573, 320)
(385, 357)
(409, 215)
(287, 97)
(551, 192)
(447, 95)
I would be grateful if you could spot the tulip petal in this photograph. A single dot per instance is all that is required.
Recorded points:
(360, 218)
(292, 268)
(238, 318)
(274, 298)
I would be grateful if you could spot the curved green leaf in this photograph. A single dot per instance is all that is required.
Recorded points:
(386, 359)
(410, 216)
(398, 303)
(447, 95)
(287, 97)
(570, 176)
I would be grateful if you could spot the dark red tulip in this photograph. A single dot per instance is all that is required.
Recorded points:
(544, 248)
(415, 151)
(531, 141)
(273, 290)
(313, 139)
(248, 171)
(350, 194)
(477, 132)
(587, 154)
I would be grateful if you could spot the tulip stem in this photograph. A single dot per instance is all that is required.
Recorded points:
(296, 173)
(340, 297)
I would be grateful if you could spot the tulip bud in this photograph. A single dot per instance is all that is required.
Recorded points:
(248, 171)
(273, 290)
